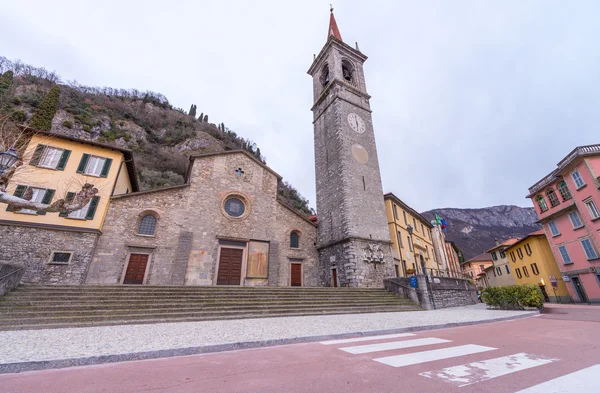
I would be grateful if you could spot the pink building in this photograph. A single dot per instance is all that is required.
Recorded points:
(567, 202)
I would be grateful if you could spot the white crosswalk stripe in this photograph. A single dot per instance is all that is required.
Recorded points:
(435, 354)
(393, 345)
(582, 381)
(369, 338)
(468, 374)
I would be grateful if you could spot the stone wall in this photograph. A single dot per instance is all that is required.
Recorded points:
(10, 277)
(191, 223)
(441, 292)
(31, 248)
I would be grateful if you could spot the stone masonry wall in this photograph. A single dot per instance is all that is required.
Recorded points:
(191, 222)
(352, 270)
(31, 248)
(441, 292)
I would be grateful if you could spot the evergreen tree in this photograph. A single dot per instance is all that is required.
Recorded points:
(206, 118)
(201, 118)
(192, 111)
(42, 118)
(5, 81)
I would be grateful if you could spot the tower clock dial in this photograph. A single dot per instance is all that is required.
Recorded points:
(356, 123)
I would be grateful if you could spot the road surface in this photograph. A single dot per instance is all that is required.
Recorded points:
(552, 353)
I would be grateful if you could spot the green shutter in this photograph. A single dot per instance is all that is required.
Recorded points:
(47, 199)
(106, 167)
(69, 197)
(19, 191)
(63, 160)
(83, 163)
(37, 154)
(92, 210)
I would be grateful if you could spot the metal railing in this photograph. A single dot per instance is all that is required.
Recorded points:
(447, 273)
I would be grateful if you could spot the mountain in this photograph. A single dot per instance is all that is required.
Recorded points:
(160, 135)
(475, 230)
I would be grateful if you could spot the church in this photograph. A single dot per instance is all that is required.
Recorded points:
(226, 225)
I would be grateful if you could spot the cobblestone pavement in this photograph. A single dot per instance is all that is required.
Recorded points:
(72, 343)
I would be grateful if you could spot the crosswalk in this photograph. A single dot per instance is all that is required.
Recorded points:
(422, 351)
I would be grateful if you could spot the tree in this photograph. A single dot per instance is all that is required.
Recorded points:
(205, 118)
(192, 111)
(201, 118)
(5, 81)
(42, 118)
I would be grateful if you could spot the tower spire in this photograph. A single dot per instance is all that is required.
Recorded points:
(333, 28)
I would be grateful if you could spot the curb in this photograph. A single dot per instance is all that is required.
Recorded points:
(19, 367)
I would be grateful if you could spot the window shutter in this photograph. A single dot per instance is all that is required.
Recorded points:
(47, 199)
(19, 191)
(106, 167)
(69, 197)
(37, 154)
(83, 163)
(92, 210)
(63, 160)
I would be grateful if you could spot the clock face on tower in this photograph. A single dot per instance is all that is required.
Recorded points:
(356, 123)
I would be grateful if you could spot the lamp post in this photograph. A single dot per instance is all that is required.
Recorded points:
(409, 228)
(7, 159)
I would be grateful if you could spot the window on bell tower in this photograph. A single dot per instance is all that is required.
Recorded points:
(347, 71)
(324, 78)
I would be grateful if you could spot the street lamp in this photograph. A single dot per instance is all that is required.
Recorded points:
(409, 228)
(7, 159)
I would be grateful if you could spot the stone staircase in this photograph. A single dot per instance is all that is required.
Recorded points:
(40, 307)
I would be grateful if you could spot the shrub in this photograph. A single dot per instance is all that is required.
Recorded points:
(67, 123)
(514, 297)
(18, 115)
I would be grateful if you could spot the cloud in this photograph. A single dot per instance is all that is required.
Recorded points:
(473, 102)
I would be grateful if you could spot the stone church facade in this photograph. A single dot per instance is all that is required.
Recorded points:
(225, 226)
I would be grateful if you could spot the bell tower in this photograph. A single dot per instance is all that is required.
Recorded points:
(353, 236)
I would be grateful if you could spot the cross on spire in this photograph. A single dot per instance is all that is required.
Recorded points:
(333, 28)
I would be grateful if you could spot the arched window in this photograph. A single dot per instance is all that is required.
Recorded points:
(347, 71)
(147, 225)
(564, 191)
(294, 240)
(324, 78)
(541, 203)
(552, 197)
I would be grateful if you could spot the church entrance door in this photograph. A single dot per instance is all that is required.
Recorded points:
(296, 279)
(334, 277)
(136, 269)
(230, 266)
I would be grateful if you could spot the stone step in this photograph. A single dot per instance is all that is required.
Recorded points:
(184, 288)
(57, 307)
(215, 314)
(18, 304)
(28, 313)
(56, 325)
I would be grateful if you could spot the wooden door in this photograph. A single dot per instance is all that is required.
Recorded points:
(136, 269)
(334, 276)
(230, 266)
(296, 279)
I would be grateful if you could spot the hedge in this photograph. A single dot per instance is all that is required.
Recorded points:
(514, 297)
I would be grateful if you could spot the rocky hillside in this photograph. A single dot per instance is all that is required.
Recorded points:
(474, 230)
(160, 135)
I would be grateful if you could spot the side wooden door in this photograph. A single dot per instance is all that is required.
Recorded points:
(296, 274)
(136, 269)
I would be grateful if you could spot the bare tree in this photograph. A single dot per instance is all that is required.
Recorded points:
(17, 138)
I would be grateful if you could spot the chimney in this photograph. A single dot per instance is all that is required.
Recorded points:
(497, 242)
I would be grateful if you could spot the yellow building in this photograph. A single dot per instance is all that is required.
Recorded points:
(532, 262)
(56, 166)
(410, 251)
(55, 247)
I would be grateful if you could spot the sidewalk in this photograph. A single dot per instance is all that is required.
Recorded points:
(55, 348)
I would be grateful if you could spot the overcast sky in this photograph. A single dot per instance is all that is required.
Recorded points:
(473, 101)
